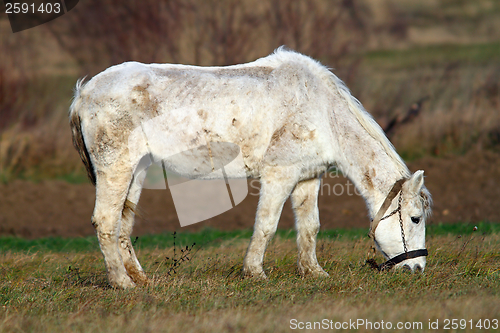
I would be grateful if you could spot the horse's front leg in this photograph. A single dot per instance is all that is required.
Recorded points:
(305, 206)
(276, 186)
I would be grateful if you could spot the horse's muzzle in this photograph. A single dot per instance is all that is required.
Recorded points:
(414, 268)
(415, 261)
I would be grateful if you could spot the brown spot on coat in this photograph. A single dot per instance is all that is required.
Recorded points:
(277, 135)
(144, 101)
(368, 180)
(202, 114)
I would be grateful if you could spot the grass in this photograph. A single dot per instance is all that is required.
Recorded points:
(212, 237)
(62, 290)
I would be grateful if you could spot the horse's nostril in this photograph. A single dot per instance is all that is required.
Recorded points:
(418, 268)
(407, 267)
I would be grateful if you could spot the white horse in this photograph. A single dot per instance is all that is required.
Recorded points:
(292, 119)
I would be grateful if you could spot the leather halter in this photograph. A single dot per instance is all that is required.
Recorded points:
(395, 190)
(402, 257)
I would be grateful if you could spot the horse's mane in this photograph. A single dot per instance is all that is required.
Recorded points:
(282, 55)
(368, 123)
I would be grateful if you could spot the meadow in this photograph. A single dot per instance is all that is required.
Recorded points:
(59, 285)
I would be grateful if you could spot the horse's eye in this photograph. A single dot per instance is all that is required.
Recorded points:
(415, 220)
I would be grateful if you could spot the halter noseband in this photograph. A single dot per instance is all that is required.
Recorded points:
(395, 190)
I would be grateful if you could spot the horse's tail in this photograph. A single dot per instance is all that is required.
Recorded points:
(76, 130)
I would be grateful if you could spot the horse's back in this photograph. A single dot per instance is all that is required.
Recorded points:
(270, 108)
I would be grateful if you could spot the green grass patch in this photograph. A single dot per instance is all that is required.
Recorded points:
(212, 237)
(48, 244)
(483, 228)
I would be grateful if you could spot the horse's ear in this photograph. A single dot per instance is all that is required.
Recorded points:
(416, 182)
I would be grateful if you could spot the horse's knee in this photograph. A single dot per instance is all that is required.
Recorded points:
(268, 230)
(307, 227)
(311, 229)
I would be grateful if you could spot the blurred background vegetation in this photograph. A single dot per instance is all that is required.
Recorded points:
(439, 57)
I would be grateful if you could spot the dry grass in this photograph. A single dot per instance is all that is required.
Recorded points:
(35, 140)
(208, 32)
(462, 98)
(41, 65)
(58, 292)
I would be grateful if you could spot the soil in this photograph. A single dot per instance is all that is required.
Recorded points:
(464, 188)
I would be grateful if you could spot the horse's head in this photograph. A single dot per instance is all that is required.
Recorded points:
(400, 234)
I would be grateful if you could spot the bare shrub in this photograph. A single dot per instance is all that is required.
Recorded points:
(462, 111)
(102, 33)
(462, 114)
(207, 32)
(35, 137)
(321, 29)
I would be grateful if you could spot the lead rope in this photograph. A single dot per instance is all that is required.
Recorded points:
(401, 224)
(398, 210)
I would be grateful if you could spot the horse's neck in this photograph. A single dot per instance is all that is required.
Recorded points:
(365, 162)
(373, 177)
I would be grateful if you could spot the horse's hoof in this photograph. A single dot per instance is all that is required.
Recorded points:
(143, 281)
(259, 275)
(123, 283)
(317, 273)
(321, 273)
(140, 278)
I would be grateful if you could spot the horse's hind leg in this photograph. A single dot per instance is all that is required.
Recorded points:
(132, 265)
(305, 206)
(112, 187)
(276, 186)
